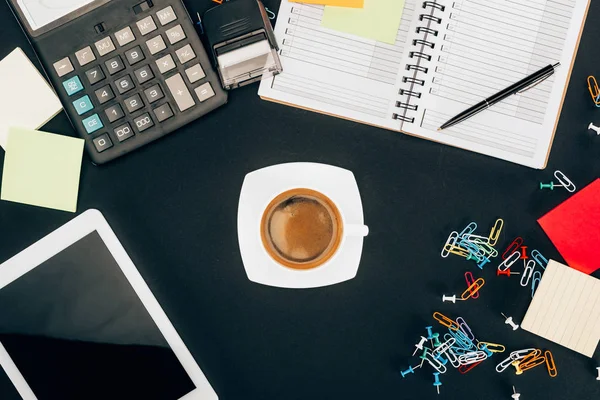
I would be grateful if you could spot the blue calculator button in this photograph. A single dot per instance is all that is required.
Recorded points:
(92, 124)
(73, 85)
(83, 105)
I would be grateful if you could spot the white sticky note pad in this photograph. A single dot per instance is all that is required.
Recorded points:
(29, 101)
(566, 309)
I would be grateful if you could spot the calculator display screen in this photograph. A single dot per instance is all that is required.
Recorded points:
(40, 13)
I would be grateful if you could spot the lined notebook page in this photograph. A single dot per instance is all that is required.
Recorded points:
(566, 309)
(485, 46)
(337, 73)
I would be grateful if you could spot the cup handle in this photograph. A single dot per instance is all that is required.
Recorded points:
(356, 230)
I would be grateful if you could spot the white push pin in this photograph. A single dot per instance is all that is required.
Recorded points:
(598, 378)
(509, 321)
(593, 127)
(515, 394)
(419, 346)
(450, 298)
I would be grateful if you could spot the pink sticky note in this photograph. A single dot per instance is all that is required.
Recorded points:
(574, 228)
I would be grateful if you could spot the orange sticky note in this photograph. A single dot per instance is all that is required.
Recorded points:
(337, 3)
(574, 228)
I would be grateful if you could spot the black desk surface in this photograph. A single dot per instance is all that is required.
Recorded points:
(173, 205)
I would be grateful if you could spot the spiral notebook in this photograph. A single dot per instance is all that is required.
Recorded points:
(448, 55)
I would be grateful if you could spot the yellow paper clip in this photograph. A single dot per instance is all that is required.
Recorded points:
(493, 347)
(552, 371)
(594, 89)
(447, 322)
(472, 289)
(495, 232)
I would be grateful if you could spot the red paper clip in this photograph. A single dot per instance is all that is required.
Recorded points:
(471, 280)
(463, 369)
(514, 246)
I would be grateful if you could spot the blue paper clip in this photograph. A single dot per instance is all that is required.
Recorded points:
(537, 277)
(539, 258)
(469, 229)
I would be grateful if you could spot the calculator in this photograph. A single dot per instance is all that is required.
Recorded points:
(127, 72)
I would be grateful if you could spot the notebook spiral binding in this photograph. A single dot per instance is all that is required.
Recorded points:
(431, 20)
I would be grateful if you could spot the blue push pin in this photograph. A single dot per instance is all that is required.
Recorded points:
(437, 382)
(550, 186)
(487, 351)
(483, 262)
(441, 359)
(429, 331)
(410, 370)
(436, 340)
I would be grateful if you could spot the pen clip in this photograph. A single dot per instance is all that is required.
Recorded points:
(539, 80)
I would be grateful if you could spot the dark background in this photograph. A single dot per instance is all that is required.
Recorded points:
(173, 205)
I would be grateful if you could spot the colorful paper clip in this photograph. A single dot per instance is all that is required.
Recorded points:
(453, 358)
(470, 228)
(463, 369)
(537, 277)
(514, 246)
(474, 288)
(594, 90)
(470, 280)
(532, 355)
(444, 347)
(493, 347)
(472, 357)
(435, 363)
(550, 364)
(527, 273)
(539, 258)
(520, 354)
(536, 362)
(464, 328)
(504, 364)
(449, 244)
(566, 182)
(508, 262)
(445, 321)
(495, 232)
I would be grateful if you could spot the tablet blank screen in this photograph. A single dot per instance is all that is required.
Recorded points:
(76, 330)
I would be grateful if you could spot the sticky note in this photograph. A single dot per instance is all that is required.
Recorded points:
(378, 20)
(28, 100)
(338, 3)
(574, 228)
(42, 169)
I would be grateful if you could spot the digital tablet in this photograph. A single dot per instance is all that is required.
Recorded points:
(77, 321)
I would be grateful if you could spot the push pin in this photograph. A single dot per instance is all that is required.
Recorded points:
(450, 298)
(429, 331)
(593, 127)
(598, 378)
(515, 394)
(509, 321)
(436, 340)
(507, 272)
(410, 370)
(437, 382)
(483, 262)
(524, 253)
(419, 346)
(550, 185)
(517, 365)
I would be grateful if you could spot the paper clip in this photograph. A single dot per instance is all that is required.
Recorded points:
(477, 239)
(470, 280)
(508, 262)
(453, 358)
(495, 232)
(532, 363)
(532, 355)
(444, 347)
(535, 282)
(474, 288)
(520, 354)
(464, 328)
(463, 369)
(504, 364)
(472, 357)
(468, 230)
(566, 182)
(445, 321)
(514, 246)
(459, 351)
(270, 13)
(539, 258)
(449, 244)
(435, 363)
(461, 339)
(493, 347)
(527, 272)
(594, 90)
(486, 350)
(552, 371)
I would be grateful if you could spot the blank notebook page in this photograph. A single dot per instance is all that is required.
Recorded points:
(566, 309)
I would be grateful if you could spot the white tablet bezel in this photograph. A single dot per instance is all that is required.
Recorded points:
(65, 236)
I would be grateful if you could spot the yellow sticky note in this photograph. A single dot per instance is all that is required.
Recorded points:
(338, 3)
(378, 20)
(42, 169)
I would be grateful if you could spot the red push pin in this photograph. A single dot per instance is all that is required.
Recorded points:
(524, 253)
(507, 272)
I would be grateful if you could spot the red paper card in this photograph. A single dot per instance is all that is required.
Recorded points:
(574, 228)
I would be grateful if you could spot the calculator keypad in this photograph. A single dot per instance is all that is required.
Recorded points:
(134, 79)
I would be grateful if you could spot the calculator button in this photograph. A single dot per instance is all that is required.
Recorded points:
(154, 93)
(92, 124)
(125, 36)
(104, 94)
(114, 65)
(195, 73)
(204, 92)
(105, 46)
(185, 54)
(114, 113)
(180, 92)
(156, 44)
(85, 56)
(143, 74)
(83, 105)
(134, 55)
(134, 103)
(165, 64)
(95, 75)
(73, 86)
(63, 67)
(163, 112)
(146, 25)
(166, 15)
(143, 122)
(102, 143)
(123, 132)
(124, 85)
(175, 34)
